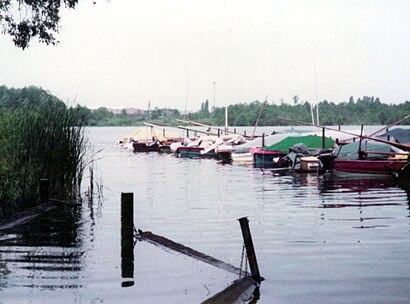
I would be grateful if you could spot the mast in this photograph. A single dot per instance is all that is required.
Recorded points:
(186, 97)
(226, 120)
(311, 112)
(260, 113)
(317, 103)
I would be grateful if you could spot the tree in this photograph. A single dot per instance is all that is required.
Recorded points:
(27, 19)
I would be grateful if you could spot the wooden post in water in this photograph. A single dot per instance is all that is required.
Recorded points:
(44, 185)
(250, 251)
(361, 155)
(263, 139)
(127, 237)
(219, 132)
(323, 139)
(244, 133)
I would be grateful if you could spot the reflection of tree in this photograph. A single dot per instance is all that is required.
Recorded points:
(44, 253)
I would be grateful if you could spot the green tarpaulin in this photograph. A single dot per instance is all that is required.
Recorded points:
(310, 141)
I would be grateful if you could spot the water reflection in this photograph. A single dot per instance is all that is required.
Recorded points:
(127, 239)
(361, 191)
(369, 201)
(302, 221)
(46, 253)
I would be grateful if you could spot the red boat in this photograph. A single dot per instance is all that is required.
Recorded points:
(387, 166)
(374, 158)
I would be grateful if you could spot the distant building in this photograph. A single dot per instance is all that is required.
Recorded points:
(129, 111)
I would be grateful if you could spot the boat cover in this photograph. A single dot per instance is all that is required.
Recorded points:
(310, 141)
(401, 135)
(257, 142)
(350, 151)
(148, 132)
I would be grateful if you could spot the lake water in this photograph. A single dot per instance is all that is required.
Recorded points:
(318, 238)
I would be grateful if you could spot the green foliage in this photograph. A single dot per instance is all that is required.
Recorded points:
(366, 110)
(27, 19)
(39, 139)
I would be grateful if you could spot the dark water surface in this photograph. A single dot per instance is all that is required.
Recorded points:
(318, 239)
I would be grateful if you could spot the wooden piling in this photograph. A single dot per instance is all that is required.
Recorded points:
(243, 287)
(323, 139)
(127, 237)
(44, 186)
(263, 139)
(250, 251)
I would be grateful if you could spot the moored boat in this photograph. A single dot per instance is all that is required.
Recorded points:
(369, 158)
(195, 152)
(368, 166)
(288, 152)
(266, 158)
(242, 154)
(150, 138)
(153, 146)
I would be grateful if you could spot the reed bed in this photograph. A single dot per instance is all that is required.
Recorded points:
(40, 142)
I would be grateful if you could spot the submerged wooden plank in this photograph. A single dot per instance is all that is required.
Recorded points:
(159, 240)
(25, 216)
(243, 287)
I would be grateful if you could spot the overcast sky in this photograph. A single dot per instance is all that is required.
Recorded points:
(126, 53)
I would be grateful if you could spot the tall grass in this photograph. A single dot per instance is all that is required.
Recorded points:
(40, 142)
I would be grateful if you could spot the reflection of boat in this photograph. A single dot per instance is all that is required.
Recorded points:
(374, 158)
(356, 182)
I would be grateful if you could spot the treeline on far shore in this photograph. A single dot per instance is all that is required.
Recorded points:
(365, 110)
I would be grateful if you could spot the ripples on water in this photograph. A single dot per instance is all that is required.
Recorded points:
(318, 239)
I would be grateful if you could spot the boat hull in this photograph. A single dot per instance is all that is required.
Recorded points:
(195, 152)
(265, 158)
(370, 166)
(144, 147)
(242, 158)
